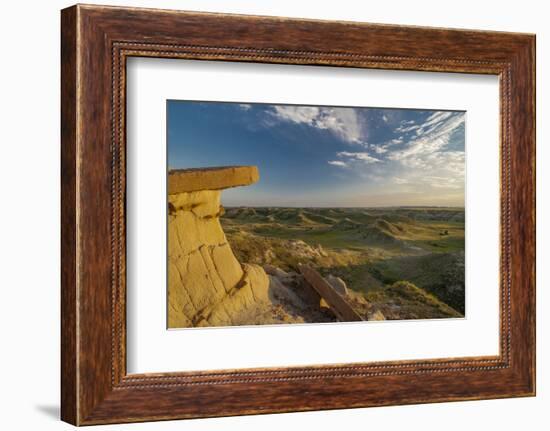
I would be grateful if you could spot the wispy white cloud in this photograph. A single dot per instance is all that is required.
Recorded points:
(425, 158)
(360, 156)
(398, 180)
(342, 122)
(244, 106)
(428, 146)
(379, 149)
(338, 163)
(405, 128)
(386, 146)
(297, 114)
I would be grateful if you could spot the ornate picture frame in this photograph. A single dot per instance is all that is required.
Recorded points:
(96, 42)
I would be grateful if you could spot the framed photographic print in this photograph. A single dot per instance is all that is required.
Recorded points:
(266, 215)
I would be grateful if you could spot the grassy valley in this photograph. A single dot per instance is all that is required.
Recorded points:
(406, 263)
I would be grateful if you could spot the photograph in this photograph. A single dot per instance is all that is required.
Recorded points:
(285, 214)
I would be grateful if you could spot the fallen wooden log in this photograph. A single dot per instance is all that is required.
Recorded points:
(338, 305)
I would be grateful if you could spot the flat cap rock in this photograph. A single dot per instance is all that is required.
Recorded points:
(214, 178)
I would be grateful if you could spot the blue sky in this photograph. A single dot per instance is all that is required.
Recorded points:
(324, 156)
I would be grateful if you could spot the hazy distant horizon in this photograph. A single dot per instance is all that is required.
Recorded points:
(325, 157)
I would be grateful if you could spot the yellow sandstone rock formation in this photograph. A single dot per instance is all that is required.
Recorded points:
(207, 286)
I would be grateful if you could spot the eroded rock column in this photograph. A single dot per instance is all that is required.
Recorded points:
(207, 286)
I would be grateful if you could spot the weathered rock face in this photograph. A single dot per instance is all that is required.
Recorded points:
(207, 286)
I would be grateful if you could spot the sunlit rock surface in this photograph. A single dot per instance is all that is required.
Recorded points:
(207, 286)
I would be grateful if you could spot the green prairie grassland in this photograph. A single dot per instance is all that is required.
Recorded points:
(407, 262)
